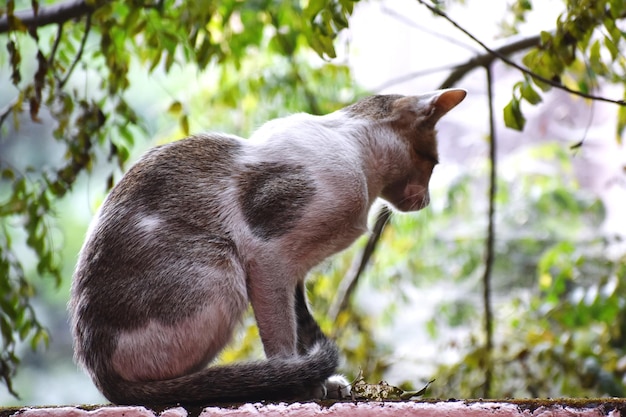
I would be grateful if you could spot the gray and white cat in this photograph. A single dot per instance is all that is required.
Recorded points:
(199, 228)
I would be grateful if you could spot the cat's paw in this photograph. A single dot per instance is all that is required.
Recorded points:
(337, 387)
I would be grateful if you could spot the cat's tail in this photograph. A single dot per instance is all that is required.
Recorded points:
(274, 379)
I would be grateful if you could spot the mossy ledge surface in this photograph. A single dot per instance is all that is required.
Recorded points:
(526, 407)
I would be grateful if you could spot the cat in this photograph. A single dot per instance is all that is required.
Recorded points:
(199, 228)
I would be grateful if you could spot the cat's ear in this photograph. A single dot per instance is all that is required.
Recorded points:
(429, 107)
(445, 100)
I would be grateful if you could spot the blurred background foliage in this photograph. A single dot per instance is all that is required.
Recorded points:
(83, 97)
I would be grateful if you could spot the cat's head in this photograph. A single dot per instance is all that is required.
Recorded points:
(412, 120)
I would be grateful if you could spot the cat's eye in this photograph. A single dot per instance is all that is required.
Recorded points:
(428, 156)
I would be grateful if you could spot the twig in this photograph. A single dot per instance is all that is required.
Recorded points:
(592, 108)
(409, 22)
(521, 68)
(5, 113)
(57, 41)
(412, 75)
(490, 242)
(79, 54)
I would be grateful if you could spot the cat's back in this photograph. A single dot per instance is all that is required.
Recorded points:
(174, 193)
(164, 209)
(168, 173)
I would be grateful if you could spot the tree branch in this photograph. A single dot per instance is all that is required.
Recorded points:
(483, 60)
(490, 241)
(53, 14)
(461, 70)
(409, 22)
(79, 54)
(57, 41)
(502, 57)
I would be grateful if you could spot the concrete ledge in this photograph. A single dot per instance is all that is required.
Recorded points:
(517, 408)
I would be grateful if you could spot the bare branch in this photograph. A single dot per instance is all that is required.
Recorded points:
(412, 75)
(483, 60)
(461, 70)
(490, 241)
(409, 22)
(5, 113)
(53, 14)
(79, 54)
(57, 41)
(506, 60)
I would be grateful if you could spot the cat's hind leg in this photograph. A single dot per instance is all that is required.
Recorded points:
(197, 298)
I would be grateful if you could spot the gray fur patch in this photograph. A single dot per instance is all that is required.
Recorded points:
(126, 275)
(373, 107)
(273, 197)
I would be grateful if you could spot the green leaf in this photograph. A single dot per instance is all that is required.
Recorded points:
(122, 155)
(528, 93)
(545, 37)
(8, 174)
(15, 60)
(131, 19)
(595, 59)
(340, 20)
(617, 8)
(184, 124)
(6, 330)
(313, 8)
(615, 34)
(621, 123)
(407, 395)
(175, 108)
(323, 45)
(513, 117)
(348, 5)
(40, 337)
(612, 48)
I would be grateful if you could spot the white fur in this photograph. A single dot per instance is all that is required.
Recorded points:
(149, 223)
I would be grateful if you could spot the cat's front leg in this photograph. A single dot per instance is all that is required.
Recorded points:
(309, 333)
(273, 305)
(308, 330)
(337, 387)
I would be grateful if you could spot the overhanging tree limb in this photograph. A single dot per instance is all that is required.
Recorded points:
(490, 240)
(53, 14)
(503, 57)
(459, 71)
(484, 60)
